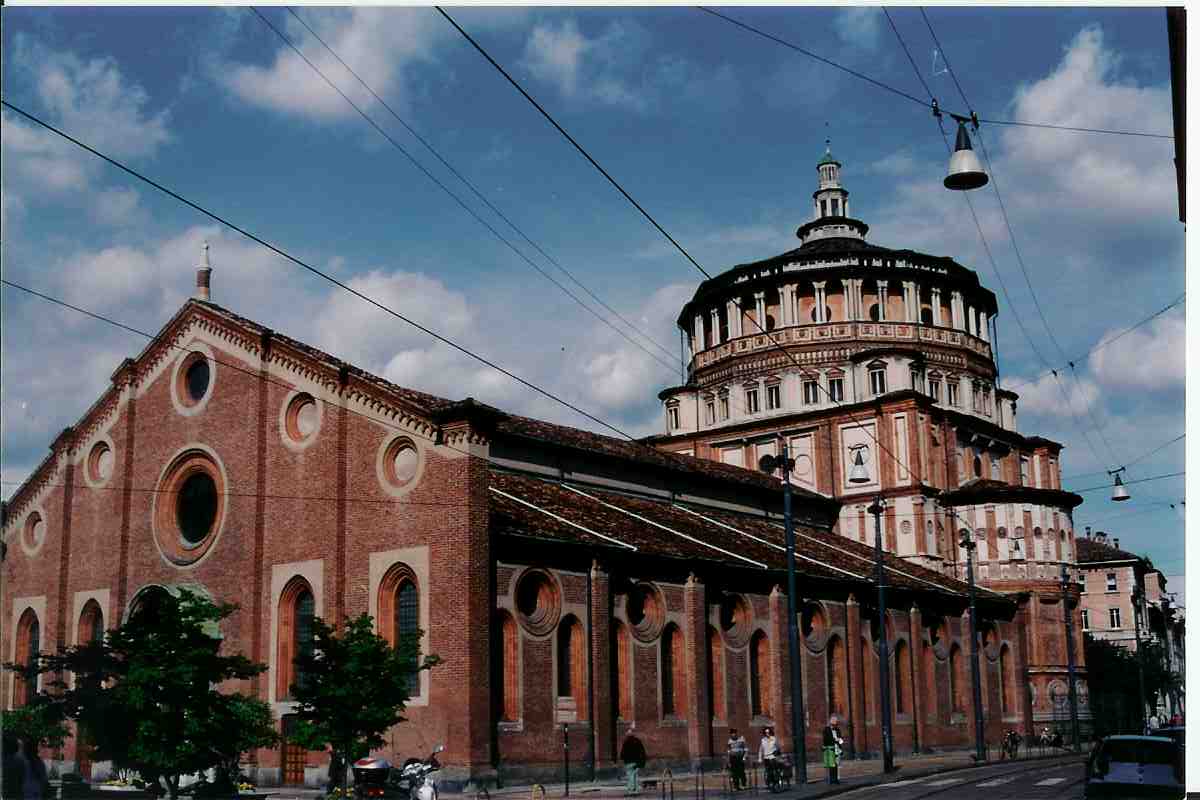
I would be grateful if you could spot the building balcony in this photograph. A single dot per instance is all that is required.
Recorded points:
(843, 332)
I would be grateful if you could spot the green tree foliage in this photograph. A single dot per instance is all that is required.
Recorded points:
(146, 693)
(352, 687)
(40, 721)
(1113, 684)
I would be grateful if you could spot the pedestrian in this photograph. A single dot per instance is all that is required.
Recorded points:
(737, 759)
(831, 746)
(768, 752)
(14, 769)
(633, 754)
(35, 783)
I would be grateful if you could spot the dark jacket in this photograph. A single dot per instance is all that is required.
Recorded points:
(633, 751)
(830, 736)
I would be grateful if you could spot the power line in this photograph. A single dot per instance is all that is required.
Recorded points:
(1142, 457)
(1130, 483)
(476, 191)
(900, 92)
(454, 196)
(1104, 342)
(278, 251)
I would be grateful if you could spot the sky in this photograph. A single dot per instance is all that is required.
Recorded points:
(715, 131)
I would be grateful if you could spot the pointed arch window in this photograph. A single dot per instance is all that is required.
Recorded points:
(835, 663)
(716, 674)
(91, 623)
(621, 668)
(29, 645)
(400, 617)
(760, 676)
(957, 701)
(674, 680)
(510, 677)
(903, 670)
(571, 675)
(297, 609)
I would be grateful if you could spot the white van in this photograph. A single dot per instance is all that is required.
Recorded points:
(1135, 766)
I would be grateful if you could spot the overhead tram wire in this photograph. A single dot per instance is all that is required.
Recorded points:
(1142, 457)
(650, 339)
(1104, 342)
(933, 103)
(315, 271)
(669, 366)
(803, 370)
(1016, 248)
(900, 92)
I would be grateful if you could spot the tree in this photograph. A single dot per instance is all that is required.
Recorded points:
(353, 687)
(146, 693)
(40, 721)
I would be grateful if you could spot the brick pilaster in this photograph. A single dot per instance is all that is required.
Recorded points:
(603, 726)
(695, 637)
(914, 654)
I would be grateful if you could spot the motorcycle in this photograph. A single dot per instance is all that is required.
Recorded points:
(417, 775)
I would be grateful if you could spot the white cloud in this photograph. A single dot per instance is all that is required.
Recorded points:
(1149, 358)
(380, 45)
(1048, 396)
(859, 26)
(553, 54)
(897, 164)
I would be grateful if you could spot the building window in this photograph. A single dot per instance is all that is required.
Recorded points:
(1114, 618)
(752, 401)
(1087, 623)
(773, 399)
(571, 665)
(837, 211)
(987, 401)
(723, 401)
(624, 687)
(710, 411)
(874, 312)
(1006, 677)
(811, 393)
(935, 389)
(918, 380)
(836, 664)
(824, 208)
(975, 395)
(903, 678)
(1024, 471)
(673, 417)
(878, 376)
(295, 634)
(29, 644)
(952, 392)
(674, 680)
(760, 676)
(716, 675)
(956, 680)
(510, 679)
(91, 623)
(1110, 582)
(836, 392)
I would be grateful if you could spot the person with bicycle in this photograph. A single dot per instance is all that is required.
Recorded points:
(737, 759)
(768, 754)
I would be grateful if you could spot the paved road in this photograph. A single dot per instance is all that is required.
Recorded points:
(999, 782)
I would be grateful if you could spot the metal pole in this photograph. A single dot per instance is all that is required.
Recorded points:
(798, 750)
(976, 695)
(1137, 635)
(566, 765)
(885, 694)
(1072, 696)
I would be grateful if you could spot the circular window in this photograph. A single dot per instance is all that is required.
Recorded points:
(400, 463)
(34, 533)
(644, 610)
(100, 463)
(196, 507)
(189, 507)
(537, 602)
(302, 418)
(812, 625)
(735, 619)
(196, 377)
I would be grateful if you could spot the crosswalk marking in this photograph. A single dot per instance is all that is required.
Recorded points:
(944, 782)
(899, 783)
(996, 782)
(1050, 781)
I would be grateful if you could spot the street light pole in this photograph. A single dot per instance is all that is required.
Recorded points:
(1072, 696)
(885, 695)
(784, 464)
(976, 697)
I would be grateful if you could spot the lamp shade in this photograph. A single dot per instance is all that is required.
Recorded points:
(965, 170)
(1119, 491)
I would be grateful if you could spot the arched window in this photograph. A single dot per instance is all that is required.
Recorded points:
(29, 644)
(929, 681)
(571, 677)
(621, 668)
(926, 316)
(760, 676)
(957, 702)
(510, 673)
(1006, 676)
(716, 674)
(297, 609)
(148, 603)
(835, 665)
(870, 679)
(903, 671)
(674, 679)
(399, 617)
(874, 312)
(91, 623)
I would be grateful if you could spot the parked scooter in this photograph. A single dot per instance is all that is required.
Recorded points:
(417, 774)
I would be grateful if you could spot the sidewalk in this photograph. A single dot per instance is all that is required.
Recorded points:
(854, 775)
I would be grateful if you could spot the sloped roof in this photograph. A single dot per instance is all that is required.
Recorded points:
(1093, 550)
(525, 506)
(981, 490)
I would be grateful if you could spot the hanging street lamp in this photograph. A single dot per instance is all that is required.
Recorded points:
(1120, 493)
(965, 171)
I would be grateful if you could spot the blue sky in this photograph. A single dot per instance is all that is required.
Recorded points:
(713, 130)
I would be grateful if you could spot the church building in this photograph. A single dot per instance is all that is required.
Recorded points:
(571, 581)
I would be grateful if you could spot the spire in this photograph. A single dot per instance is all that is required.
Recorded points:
(828, 157)
(203, 275)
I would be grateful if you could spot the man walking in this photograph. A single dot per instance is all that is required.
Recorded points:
(831, 747)
(768, 754)
(737, 759)
(633, 754)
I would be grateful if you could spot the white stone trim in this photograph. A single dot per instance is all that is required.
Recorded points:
(20, 606)
(313, 572)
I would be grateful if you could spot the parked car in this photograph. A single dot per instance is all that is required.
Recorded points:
(1135, 766)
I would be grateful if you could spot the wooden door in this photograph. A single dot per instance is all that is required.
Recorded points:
(293, 754)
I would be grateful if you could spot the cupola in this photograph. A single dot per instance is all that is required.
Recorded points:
(831, 205)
